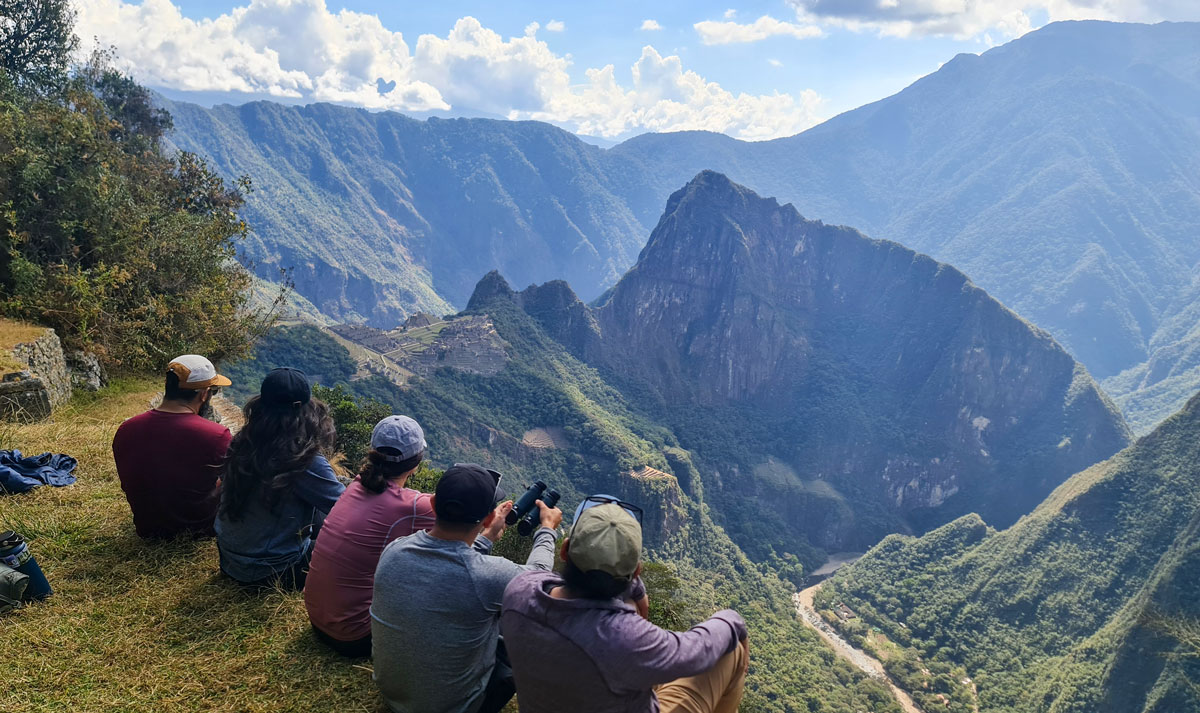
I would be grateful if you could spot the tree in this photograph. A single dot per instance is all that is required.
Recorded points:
(36, 42)
(126, 249)
(138, 124)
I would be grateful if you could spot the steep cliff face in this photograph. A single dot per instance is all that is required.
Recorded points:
(891, 372)
(839, 386)
(1060, 171)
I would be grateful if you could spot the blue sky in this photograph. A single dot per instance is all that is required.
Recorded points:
(753, 70)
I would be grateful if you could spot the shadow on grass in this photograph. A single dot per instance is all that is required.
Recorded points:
(332, 671)
(125, 557)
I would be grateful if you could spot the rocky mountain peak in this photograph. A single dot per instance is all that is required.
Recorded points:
(712, 200)
(860, 349)
(492, 286)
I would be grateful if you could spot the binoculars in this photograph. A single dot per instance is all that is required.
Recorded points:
(525, 510)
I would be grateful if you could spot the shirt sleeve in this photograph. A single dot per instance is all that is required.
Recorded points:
(482, 545)
(318, 486)
(657, 656)
(542, 555)
(635, 591)
(221, 445)
(495, 573)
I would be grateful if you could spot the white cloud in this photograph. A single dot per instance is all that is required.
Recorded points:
(651, 25)
(666, 97)
(271, 48)
(556, 26)
(966, 19)
(299, 50)
(713, 32)
(774, 63)
(730, 14)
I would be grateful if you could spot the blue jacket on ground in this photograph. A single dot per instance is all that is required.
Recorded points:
(19, 474)
(266, 542)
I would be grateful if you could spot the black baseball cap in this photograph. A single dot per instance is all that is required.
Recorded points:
(466, 493)
(285, 386)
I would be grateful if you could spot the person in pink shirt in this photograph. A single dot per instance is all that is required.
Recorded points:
(375, 509)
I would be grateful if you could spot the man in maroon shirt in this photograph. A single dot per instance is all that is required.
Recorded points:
(169, 458)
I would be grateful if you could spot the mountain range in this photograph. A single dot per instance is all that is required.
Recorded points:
(1060, 171)
(769, 388)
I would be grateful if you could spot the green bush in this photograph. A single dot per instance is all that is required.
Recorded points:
(123, 248)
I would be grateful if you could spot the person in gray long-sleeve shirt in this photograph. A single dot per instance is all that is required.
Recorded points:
(575, 645)
(435, 613)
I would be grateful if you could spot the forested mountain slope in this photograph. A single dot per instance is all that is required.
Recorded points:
(380, 215)
(1060, 171)
(767, 387)
(842, 386)
(1077, 606)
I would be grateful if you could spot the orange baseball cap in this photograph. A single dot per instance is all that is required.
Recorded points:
(195, 372)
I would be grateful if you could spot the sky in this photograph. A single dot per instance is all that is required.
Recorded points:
(752, 70)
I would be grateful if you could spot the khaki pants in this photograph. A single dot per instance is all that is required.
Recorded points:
(717, 690)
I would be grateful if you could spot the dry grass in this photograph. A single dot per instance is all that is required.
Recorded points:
(12, 333)
(137, 626)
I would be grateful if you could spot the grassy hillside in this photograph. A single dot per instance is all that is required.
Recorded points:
(136, 626)
(1072, 608)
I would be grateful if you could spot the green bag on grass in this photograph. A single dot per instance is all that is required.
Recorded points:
(12, 587)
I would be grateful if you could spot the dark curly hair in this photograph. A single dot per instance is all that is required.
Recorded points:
(376, 470)
(276, 444)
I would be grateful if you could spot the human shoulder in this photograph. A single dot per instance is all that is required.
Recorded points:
(527, 583)
(319, 467)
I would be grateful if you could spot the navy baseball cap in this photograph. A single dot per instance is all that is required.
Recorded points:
(285, 386)
(466, 493)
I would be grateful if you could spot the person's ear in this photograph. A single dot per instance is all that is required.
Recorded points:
(562, 551)
(637, 572)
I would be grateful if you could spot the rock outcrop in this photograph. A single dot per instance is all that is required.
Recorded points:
(86, 371)
(30, 395)
(45, 358)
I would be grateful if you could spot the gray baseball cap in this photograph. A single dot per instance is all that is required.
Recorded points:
(400, 434)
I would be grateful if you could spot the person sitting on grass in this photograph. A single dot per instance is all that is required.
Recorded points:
(169, 458)
(375, 509)
(435, 618)
(576, 645)
(278, 484)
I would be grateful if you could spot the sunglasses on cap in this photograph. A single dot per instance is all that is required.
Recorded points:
(594, 500)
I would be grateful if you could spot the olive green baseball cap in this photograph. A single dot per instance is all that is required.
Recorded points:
(606, 538)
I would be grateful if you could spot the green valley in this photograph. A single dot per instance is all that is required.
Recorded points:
(1083, 605)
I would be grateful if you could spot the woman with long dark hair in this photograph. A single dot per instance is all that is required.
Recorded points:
(277, 485)
(375, 509)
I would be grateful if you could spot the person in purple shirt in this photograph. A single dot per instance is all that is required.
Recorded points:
(576, 645)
